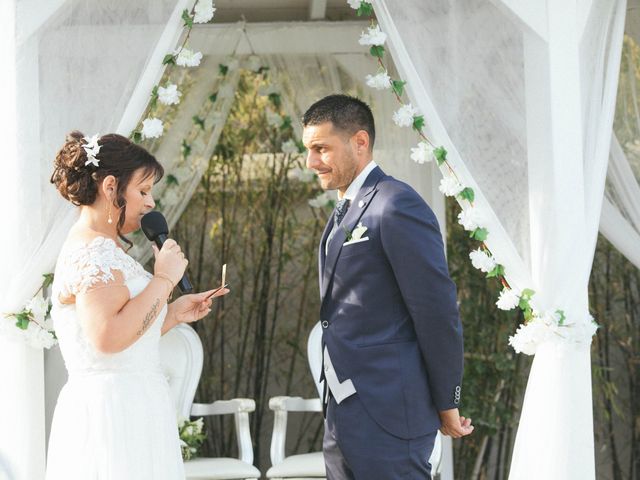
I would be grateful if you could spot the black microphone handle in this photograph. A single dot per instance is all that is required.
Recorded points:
(184, 284)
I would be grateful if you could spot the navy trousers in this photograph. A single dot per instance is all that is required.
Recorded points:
(355, 447)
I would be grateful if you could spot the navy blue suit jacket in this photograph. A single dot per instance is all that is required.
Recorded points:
(389, 310)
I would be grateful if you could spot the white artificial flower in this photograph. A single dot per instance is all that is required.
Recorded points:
(379, 81)
(169, 95)
(254, 63)
(92, 149)
(38, 307)
(273, 119)
(373, 36)
(470, 218)
(325, 199)
(304, 175)
(508, 300)
(482, 261)
(355, 4)
(403, 117)
(152, 128)
(38, 337)
(450, 186)
(188, 58)
(529, 336)
(289, 147)
(422, 153)
(204, 11)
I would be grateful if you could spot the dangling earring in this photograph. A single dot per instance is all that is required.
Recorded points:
(109, 219)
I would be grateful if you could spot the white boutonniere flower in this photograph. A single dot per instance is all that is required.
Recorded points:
(355, 235)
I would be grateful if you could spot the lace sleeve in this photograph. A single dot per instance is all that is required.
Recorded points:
(95, 265)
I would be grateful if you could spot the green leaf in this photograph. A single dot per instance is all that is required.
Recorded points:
(275, 98)
(377, 51)
(398, 86)
(188, 20)
(498, 271)
(213, 97)
(441, 155)
(198, 121)
(467, 194)
(301, 147)
(418, 122)
(169, 59)
(186, 149)
(562, 316)
(154, 97)
(136, 136)
(223, 69)
(48, 280)
(286, 123)
(172, 180)
(479, 234)
(365, 10)
(22, 319)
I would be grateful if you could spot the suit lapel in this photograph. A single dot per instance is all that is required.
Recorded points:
(351, 219)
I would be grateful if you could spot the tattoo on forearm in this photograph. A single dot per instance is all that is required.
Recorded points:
(149, 316)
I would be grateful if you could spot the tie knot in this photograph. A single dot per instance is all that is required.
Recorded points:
(341, 209)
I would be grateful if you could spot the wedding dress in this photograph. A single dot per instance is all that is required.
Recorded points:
(115, 419)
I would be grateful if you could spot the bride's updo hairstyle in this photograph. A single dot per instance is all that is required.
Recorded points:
(78, 180)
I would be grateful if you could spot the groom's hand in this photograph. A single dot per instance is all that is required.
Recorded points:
(453, 424)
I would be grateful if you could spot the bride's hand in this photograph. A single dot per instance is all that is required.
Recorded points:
(193, 307)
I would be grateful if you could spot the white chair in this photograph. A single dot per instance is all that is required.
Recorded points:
(181, 358)
(311, 465)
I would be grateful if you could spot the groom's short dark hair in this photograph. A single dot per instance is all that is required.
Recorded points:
(347, 114)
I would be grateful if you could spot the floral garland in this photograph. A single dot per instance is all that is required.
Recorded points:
(33, 322)
(538, 327)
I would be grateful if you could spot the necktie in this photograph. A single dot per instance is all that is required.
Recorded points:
(341, 210)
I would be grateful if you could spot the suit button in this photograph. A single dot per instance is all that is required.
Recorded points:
(325, 324)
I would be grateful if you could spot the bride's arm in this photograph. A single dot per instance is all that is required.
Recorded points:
(112, 321)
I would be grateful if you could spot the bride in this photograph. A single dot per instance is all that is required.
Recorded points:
(114, 419)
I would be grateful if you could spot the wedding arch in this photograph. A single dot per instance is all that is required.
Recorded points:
(521, 96)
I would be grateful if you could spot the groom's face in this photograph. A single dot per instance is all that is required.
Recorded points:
(330, 156)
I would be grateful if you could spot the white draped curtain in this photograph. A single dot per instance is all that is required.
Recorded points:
(522, 96)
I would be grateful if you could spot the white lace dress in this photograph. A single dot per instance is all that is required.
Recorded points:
(115, 419)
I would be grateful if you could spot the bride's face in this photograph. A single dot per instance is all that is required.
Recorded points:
(139, 200)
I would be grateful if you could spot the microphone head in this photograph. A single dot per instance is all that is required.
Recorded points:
(154, 224)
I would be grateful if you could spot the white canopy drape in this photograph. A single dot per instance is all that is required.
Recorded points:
(523, 98)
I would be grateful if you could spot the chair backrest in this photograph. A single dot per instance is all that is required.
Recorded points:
(314, 355)
(181, 358)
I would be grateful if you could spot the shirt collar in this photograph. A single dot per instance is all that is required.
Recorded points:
(357, 183)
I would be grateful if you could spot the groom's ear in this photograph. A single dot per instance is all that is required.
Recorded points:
(362, 141)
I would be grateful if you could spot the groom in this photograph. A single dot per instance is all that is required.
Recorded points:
(392, 338)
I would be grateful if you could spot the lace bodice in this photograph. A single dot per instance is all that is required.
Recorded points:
(94, 265)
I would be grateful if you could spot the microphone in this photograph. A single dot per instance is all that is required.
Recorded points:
(155, 228)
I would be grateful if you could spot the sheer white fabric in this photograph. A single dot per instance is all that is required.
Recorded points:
(69, 64)
(115, 417)
(523, 100)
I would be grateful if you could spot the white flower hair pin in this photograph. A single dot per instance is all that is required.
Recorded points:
(93, 149)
